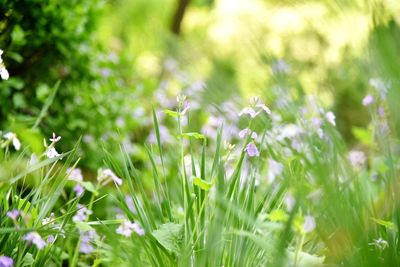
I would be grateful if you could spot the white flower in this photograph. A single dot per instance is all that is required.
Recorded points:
(13, 138)
(251, 111)
(309, 224)
(104, 176)
(290, 201)
(75, 174)
(3, 71)
(126, 228)
(243, 133)
(55, 138)
(248, 111)
(330, 117)
(52, 153)
(357, 158)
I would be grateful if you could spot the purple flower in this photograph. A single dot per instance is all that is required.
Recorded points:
(381, 111)
(13, 214)
(243, 133)
(82, 214)
(78, 189)
(309, 223)
(104, 176)
(86, 238)
(368, 100)
(126, 228)
(130, 204)
(6, 261)
(75, 174)
(252, 150)
(34, 237)
(248, 111)
(280, 66)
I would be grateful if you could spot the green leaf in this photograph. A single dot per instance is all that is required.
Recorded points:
(89, 187)
(195, 135)
(363, 135)
(171, 113)
(170, 236)
(277, 215)
(387, 224)
(205, 185)
(83, 226)
(28, 260)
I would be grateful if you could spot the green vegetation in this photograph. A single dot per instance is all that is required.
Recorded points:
(199, 133)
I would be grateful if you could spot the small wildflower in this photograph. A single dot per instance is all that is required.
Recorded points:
(309, 224)
(34, 238)
(248, 111)
(381, 111)
(87, 237)
(280, 66)
(50, 239)
(126, 228)
(290, 201)
(82, 214)
(368, 100)
(379, 243)
(104, 176)
(78, 189)
(3, 71)
(252, 150)
(330, 117)
(52, 153)
(75, 174)
(130, 204)
(13, 214)
(12, 137)
(6, 261)
(357, 158)
(48, 220)
(33, 160)
(243, 133)
(55, 138)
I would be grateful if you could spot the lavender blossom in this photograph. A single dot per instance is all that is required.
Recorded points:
(13, 214)
(104, 176)
(36, 239)
(6, 261)
(368, 100)
(252, 150)
(126, 228)
(309, 224)
(79, 190)
(75, 174)
(82, 214)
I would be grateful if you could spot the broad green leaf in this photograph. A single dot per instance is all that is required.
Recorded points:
(83, 226)
(171, 113)
(277, 215)
(387, 224)
(363, 135)
(89, 187)
(205, 185)
(170, 236)
(194, 135)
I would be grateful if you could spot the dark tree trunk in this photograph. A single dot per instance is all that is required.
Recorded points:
(178, 16)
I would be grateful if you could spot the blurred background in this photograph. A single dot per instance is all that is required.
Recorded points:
(95, 69)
